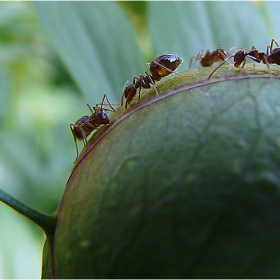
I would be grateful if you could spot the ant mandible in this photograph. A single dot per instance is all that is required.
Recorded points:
(207, 58)
(83, 127)
(160, 67)
(273, 54)
(241, 56)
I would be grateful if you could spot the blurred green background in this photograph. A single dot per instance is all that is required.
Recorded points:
(57, 56)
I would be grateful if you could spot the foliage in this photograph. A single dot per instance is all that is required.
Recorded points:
(57, 56)
(194, 195)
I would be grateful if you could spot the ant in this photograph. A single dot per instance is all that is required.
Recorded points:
(160, 67)
(254, 54)
(207, 58)
(83, 127)
(273, 54)
(241, 56)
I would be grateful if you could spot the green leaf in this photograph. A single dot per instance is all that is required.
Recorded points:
(272, 15)
(5, 79)
(101, 55)
(184, 185)
(185, 28)
(11, 15)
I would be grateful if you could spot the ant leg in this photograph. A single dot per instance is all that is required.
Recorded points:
(124, 87)
(136, 79)
(84, 138)
(105, 109)
(243, 63)
(226, 60)
(269, 49)
(90, 108)
(130, 95)
(266, 62)
(169, 70)
(140, 85)
(129, 98)
(102, 102)
(274, 42)
(109, 103)
(126, 103)
(85, 142)
(75, 139)
(129, 92)
(197, 58)
(83, 132)
(191, 61)
(153, 83)
(139, 80)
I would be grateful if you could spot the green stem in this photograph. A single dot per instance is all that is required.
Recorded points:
(46, 222)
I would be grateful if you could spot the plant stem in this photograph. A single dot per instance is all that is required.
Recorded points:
(46, 222)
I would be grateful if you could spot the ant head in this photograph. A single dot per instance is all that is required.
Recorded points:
(239, 57)
(274, 57)
(101, 115)
(128, 88)
(165, 64)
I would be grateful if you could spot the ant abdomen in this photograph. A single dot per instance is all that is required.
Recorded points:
(81, 129)
(164, 65)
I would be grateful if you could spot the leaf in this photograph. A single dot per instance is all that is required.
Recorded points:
(184, 185)
(5, 79)
(185, 28)
(272, 9)
(12, 14)
(101, 55)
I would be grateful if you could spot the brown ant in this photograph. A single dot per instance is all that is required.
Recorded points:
(160, 67)
(207, 58)
(241, 56)
(273, 54)
(83, 127)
